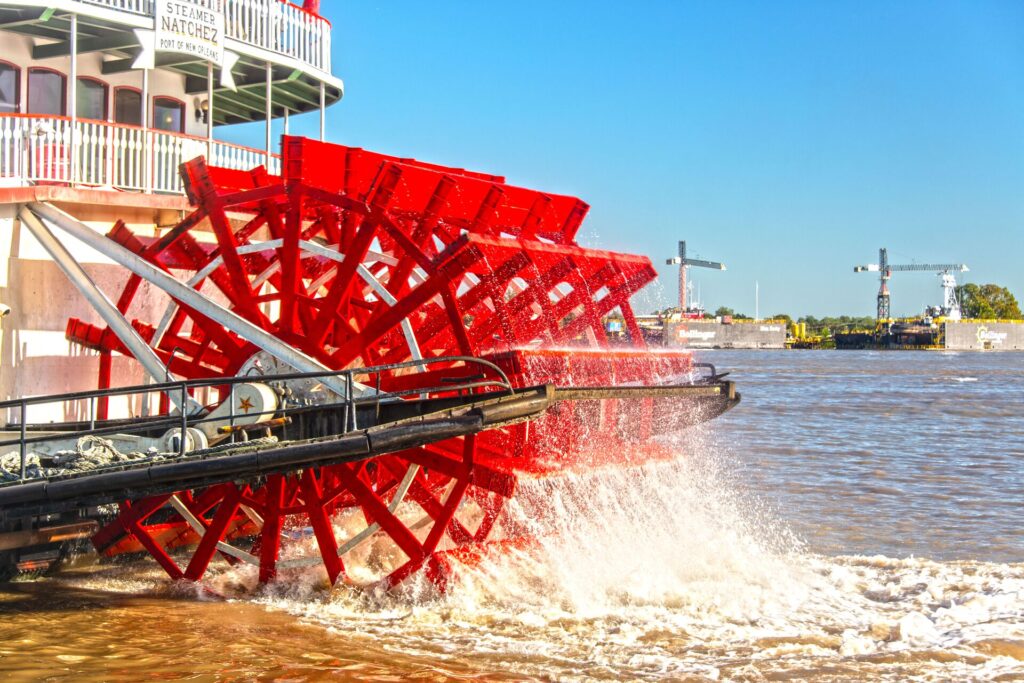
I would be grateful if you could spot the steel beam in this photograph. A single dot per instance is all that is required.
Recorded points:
(106, 309)
(111, 41)
(186, 295)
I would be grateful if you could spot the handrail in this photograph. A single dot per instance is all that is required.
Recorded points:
(136, 6)
(274, 25)
(246, 379)
(187, 421)
(37, 148)
(132, 126)
(184, 421)
(989, 321)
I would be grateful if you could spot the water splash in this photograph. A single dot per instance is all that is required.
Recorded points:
(672, 570)
(669, 533)
(668, 569)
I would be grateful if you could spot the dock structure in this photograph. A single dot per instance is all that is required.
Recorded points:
(983, 335)
(942, 335)
(718, 334)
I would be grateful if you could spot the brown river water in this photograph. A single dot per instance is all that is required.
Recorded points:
(858, 517)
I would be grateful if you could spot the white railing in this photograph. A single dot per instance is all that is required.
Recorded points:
(273, 25)
(42, 149)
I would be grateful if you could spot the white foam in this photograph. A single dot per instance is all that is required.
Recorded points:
(666, 570)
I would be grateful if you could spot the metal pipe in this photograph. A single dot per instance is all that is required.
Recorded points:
(231, 411)
(350, 399)
(230, 320)
(184, 420)
(21, 448)
(191, 472)
(106, 309)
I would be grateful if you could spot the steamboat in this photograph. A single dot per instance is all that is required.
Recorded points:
(296, 355)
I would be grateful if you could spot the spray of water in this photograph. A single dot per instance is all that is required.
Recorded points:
(669, 568)
(666, 569)
(667, 533)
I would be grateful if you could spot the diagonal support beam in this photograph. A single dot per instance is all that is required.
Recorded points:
(186, 295)
(107, 310)
(26, 18)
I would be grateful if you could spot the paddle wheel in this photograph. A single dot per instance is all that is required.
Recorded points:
(354, 259)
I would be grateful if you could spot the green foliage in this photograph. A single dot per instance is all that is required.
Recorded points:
(988, 301)
(781, 316)
(725, 310)
(842, 323)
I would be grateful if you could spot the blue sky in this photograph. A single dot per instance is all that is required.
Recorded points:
(790, 140)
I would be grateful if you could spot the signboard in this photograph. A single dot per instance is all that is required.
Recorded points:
(187, 28)
(986, 335)
(703, 335)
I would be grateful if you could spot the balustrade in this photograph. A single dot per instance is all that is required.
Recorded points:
(272, 25)
(38, 149)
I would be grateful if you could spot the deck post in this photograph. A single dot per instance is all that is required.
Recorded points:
(209, 112)
(147, 162)
(269, 112)
(323, 107)
(72, 98)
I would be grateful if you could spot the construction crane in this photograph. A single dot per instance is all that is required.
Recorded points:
(683, 262)
(950, 305)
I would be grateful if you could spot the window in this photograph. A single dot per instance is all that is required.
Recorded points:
(47, 93)
(168, 114)
(128, 106)
(91, 99)
(10, 82)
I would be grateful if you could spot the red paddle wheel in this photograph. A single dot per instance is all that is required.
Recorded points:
(357, 259)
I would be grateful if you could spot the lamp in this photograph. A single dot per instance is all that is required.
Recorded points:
(202, 108)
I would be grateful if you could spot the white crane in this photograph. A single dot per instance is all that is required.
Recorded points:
(950, 305)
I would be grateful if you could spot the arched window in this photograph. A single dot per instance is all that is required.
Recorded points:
(47, 91)
(128, 106)
(10, 88)
(169, 114)
(91, 99)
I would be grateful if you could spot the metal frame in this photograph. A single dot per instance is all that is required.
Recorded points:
(183, 389)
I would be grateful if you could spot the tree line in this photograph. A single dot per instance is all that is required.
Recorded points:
(988, 301)
(976, 301)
